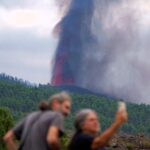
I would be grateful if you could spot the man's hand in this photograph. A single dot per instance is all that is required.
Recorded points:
(9, 140)
(53, 138)
(121, 117)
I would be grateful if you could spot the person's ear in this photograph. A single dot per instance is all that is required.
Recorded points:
(83, 127)
(56, 104)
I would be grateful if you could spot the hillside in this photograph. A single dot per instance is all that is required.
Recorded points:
(77, 90)
(22, 97)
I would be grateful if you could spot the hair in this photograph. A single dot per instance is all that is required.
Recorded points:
(44, 105)
(60, 97)
(78, 124)
(80, 118)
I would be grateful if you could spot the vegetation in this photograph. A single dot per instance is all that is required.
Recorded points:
(21, 98)
(6, 122)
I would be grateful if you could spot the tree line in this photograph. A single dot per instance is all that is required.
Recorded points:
(20, 98)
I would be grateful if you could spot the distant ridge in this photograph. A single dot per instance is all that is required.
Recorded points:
(67, 88)
(78, 90)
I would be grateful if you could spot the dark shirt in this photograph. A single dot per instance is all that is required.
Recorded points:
(32, 131)
(82, 142)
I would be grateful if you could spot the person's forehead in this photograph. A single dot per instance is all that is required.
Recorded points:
(67, 102)
(91, 115)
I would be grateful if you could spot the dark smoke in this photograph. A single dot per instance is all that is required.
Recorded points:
(103, 46)
(75, 33)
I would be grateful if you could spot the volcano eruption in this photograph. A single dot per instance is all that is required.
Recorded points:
(104, 47)
(75, 33)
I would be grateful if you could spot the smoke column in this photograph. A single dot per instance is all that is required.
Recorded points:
(104, 46)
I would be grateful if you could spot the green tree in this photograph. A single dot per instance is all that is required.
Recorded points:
(6, 122)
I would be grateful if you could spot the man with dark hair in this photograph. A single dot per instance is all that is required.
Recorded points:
(41, 130)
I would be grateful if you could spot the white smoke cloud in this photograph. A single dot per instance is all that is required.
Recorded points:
(121, 58)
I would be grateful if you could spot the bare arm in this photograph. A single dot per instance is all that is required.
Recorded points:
(9, 141)
(102, 140)
(53, 138)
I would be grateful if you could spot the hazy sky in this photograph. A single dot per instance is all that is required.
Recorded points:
(26, 41)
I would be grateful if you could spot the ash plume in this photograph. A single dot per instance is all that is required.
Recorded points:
(104, 46)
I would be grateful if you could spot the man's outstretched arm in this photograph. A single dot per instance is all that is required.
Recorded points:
(103, 139)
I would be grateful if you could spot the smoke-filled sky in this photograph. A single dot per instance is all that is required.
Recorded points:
(104, 46)
(26, 43)
(123, 40)
(121, 28)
